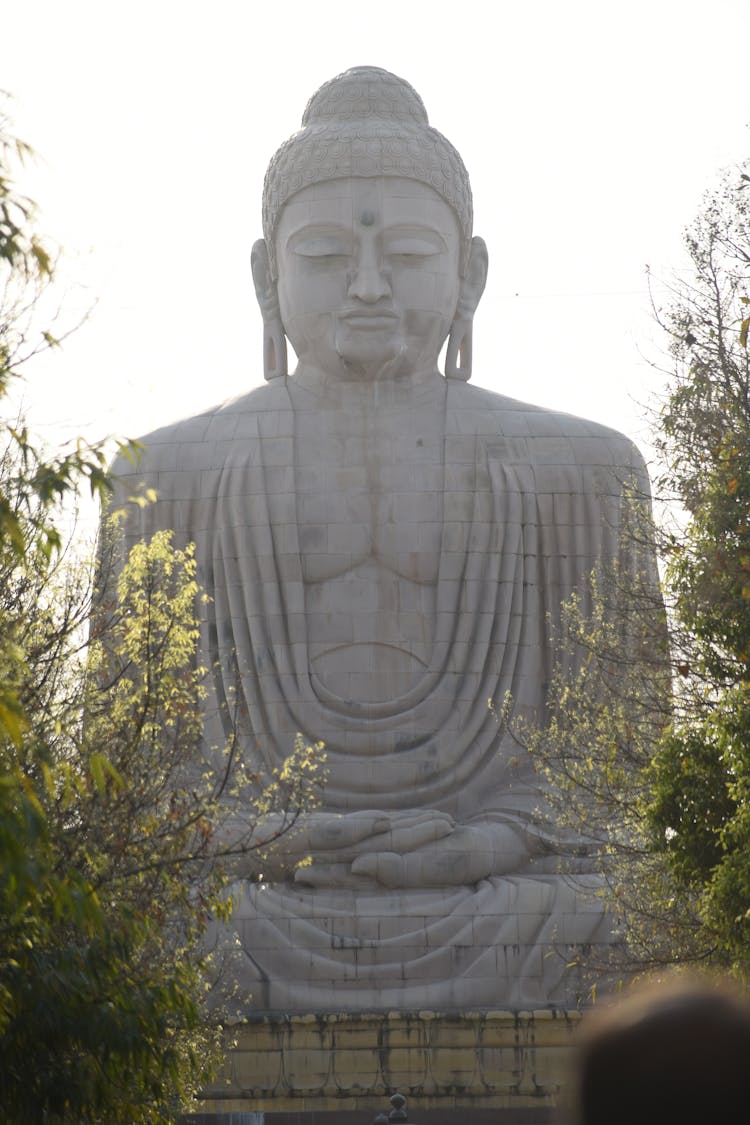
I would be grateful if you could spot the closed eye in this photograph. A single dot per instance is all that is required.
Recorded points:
(322, 248)
(410, 248)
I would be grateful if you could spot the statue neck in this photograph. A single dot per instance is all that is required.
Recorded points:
(414, 386)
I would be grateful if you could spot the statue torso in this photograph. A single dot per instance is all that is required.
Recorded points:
(384, 491)
(369, 468)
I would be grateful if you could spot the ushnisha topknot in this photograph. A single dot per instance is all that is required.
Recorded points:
(366, 122)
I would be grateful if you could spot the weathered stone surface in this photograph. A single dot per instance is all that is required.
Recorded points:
(481, 1059)
(386, 550)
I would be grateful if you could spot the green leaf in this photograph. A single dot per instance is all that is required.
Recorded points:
(11, 526)
(12, 719)
(96, 766)
(49, 780)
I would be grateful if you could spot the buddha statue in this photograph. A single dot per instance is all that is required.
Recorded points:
(386, 548)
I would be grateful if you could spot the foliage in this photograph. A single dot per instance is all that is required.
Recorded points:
(610, 707)
(700, 815)
(657, 776)
(90, 1017)
(114, 846)
(103, 912)
(33, 484)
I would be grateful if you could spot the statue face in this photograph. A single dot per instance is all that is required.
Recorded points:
(368, 275)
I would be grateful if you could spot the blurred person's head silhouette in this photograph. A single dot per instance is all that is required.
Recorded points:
(671, 1054)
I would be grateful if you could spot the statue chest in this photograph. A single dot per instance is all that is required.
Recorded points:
(369, 490)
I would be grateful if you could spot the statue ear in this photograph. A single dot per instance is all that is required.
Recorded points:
(274, 339)
(458, 355)
(475, 277)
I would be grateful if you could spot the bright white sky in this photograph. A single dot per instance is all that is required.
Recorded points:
(590, 131)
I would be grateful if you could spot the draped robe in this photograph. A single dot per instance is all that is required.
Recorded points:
(532, 501)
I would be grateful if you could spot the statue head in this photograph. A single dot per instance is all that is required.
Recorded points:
(369, 127)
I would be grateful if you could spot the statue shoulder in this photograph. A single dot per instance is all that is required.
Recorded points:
(187, 444)
(547, 433)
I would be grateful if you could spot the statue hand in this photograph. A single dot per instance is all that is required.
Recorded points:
(336, 842)
(468, 854)
(276, 846)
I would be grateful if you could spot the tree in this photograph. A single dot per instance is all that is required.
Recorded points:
(113, 849)
(93, 1013)
(609, 707)
(700, 815)
(655, 772)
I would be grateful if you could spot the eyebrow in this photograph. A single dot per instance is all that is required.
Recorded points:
(319, 230)
(344, 230)
(415, 230)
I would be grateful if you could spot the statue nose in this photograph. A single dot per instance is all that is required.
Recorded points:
(369, 280)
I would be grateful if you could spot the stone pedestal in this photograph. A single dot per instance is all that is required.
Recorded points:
(484, 1060)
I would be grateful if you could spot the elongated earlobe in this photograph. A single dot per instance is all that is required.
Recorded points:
(274, 351)
(458, 356)
(274, 337)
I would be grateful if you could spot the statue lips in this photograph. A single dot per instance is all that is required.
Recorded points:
(369, 319)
